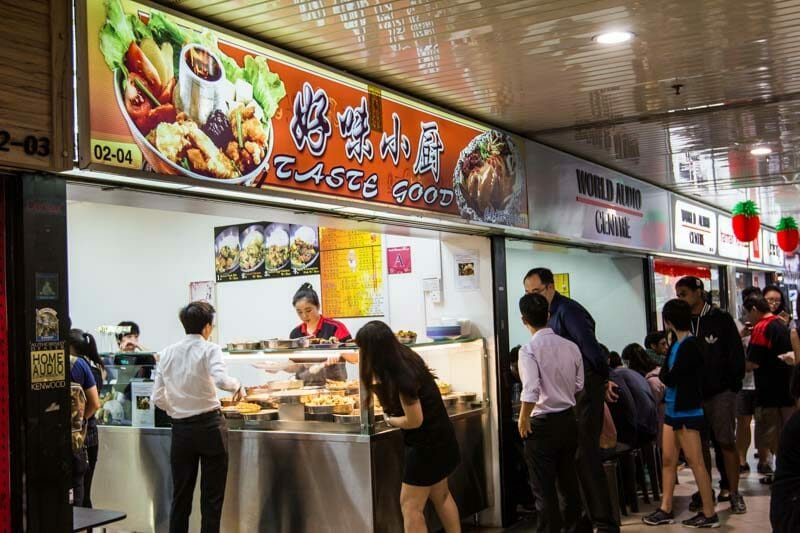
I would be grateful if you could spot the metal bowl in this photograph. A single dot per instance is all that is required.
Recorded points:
(319, 409)
(466, 397)
(247, 346)
(285, 344)
(450, 400)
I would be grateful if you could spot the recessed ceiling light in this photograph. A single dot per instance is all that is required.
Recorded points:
(761, 150)
(613, 37)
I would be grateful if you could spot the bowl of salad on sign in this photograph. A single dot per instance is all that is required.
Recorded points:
(191, 109)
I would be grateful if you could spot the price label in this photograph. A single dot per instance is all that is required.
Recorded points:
(126, 155)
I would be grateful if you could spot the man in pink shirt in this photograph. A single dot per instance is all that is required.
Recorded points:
(551, 369)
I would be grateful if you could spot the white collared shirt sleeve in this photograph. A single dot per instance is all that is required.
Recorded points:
(529, 374)
(219, 372)
(159, 397)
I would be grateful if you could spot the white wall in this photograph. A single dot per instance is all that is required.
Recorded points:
(130, 263)
(610, 287)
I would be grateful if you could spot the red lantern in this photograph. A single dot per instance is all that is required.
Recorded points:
(788, 234)
(746, 222)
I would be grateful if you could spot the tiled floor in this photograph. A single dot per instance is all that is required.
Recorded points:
(755, 521)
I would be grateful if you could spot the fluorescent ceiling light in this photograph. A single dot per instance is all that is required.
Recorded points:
(613, 37)
(761, 150)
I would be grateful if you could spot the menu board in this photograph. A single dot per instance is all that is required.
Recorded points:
(262, 250)
(351, 273)
(168, 95)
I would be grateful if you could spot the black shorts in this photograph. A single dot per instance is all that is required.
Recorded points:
(746, 402)
(698, 423)
(426, 466)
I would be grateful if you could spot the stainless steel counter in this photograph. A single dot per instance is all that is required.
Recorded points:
(284, 481)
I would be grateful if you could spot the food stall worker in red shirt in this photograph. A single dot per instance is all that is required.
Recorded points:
(307, 305)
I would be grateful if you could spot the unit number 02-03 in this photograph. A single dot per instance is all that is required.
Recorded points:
(30, 144)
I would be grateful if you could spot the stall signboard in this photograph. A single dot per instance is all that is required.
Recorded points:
(574, 198)
(729, 246)
(773, 255)
(166, 94)
(261, 250)
(352, 273)
(695, 227)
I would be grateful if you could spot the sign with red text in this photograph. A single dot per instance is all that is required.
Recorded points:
(695, 228)
(168, 95)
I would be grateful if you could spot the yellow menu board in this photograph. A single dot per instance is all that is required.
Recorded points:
(351, 271)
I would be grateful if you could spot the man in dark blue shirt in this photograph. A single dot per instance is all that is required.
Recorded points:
(570, 320)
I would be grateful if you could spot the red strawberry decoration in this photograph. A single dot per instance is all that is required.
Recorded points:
(788, 235)
(655, 230)
(746, 222)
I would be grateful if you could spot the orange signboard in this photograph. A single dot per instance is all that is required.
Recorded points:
(168, 95)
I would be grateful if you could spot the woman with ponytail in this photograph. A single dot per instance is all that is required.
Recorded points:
(83, 346)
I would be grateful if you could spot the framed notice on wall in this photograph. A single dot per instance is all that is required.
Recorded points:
(351, 273)
(562, 283)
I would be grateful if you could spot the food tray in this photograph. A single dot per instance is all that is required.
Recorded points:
(227, 402)
(283, 344)
(354, 418)
(231, 412)
(450, 400)
(263, 400)
(465, 397)
(285, 384)
(319, 409)
(320, 417)
(406, 340)
(261, 416)
(325, 346)
(295, 396)
(244, 346)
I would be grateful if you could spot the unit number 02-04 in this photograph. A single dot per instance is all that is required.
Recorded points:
(31, 144)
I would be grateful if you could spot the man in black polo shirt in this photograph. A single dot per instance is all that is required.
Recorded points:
(570, 320)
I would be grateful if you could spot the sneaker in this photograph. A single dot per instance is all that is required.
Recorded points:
(701, 521)
(744, 469)
(696, 505)
(765, 469)
(737, 504)
(659, 518)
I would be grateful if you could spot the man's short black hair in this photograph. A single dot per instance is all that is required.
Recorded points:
(747, 292)
(654, 338)
(678, 313)
(196, 316)
(758, 303)
(134, 329)
(535, 309)
(690, 282)
(545, 275)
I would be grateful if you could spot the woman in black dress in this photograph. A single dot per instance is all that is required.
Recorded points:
(406, 389)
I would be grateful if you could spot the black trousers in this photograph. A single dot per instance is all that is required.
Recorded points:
(591, 475)
(550, 456)
(91, 452)
(198, 442)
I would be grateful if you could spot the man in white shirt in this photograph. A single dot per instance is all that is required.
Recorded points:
(551, 369)
(186, 376)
